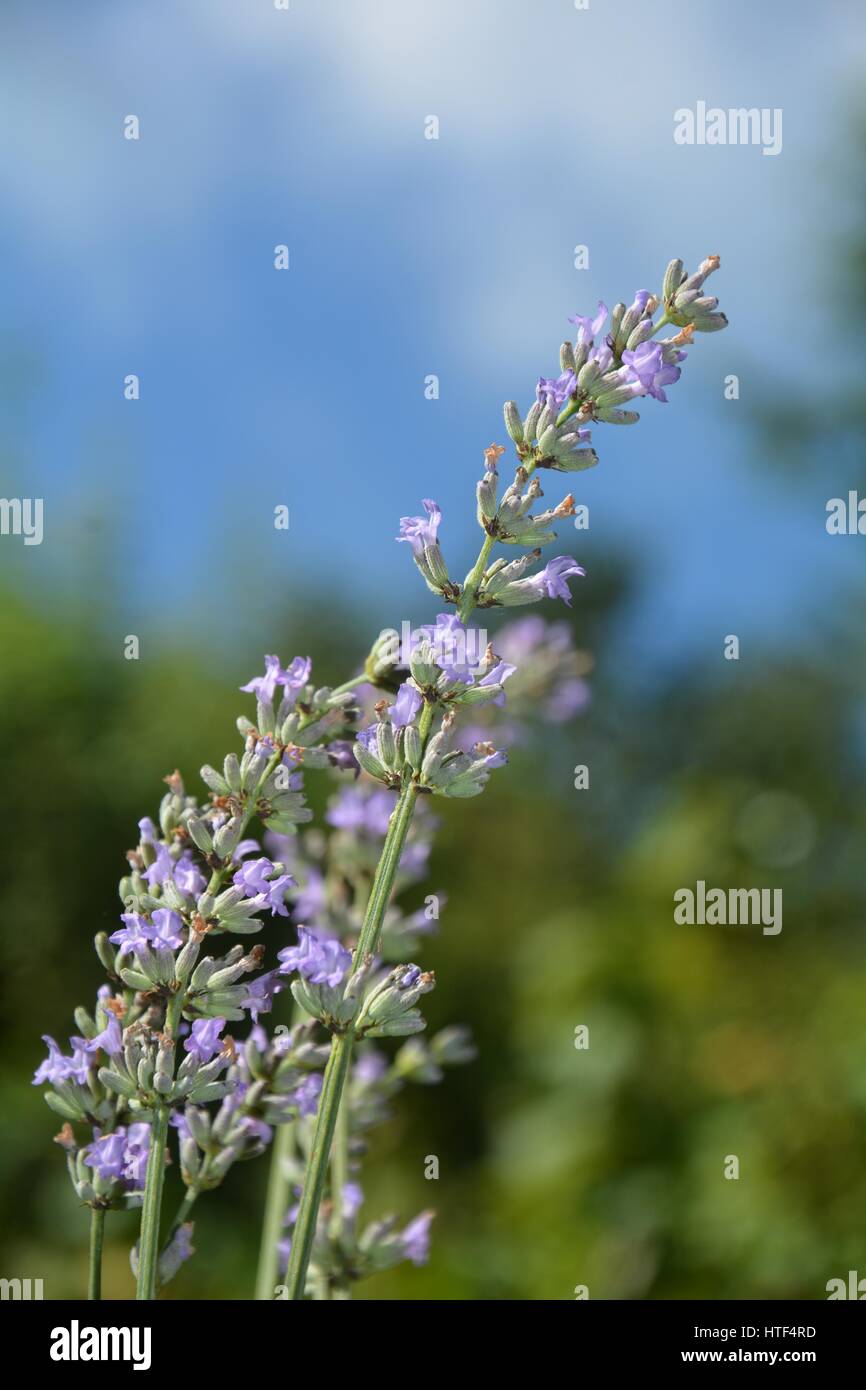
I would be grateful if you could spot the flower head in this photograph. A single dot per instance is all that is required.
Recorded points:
(405, 707)
(321, 960)
(415, 1239)
(294, 678)
(204, 1040)
(420, 531)
(589, 328)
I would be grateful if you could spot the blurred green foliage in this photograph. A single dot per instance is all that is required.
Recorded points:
(559, 1166)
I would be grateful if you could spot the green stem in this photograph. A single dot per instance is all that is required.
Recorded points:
(304, 1232)
(97, 1233)
(473, 580)
(339, 1169)
(276, 1206)
(148, 1241)
(337, 1068)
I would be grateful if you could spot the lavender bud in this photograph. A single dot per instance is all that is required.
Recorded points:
(386, 745)
(190, 1158)
(212, 779)
(113, 1080)
(618, 417)
(531, 422)
(202, 973)
(83, 1022)
(486, 494)
(512, 421)
(232, 773)
(673, 279)
(62, 1106)
(198, 1122)
(188, 957)
(587, 375)
(644, 331)
(412, 750)
(200, 834)
(228, 837)
(290, 728)
(368, 762)
(104, 951)
(265, 718)
(135, 979)
(144, 1075)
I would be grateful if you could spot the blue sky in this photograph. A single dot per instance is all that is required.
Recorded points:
(408, 257)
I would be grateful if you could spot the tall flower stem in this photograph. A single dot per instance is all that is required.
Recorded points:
(97, 1233)
(337, 1068)
(276, 1205)
(148, 1242)
(473, 579)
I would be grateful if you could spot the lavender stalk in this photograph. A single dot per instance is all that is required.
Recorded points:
(97, 1235)
(341, 1049)
(596, 381)
(152, 1066)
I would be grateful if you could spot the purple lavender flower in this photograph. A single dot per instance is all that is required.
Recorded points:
(498, 757)
(161, 869)
(136, 1155)
(204, 1041)
(297, 673)
(360, 810)
(166, 928)
(454, 646)
(420, 531)
(148, 832)
(322, 961)
(253, 877)
(306, 1095)
(178, 1249)
(353, 1199)
(589, 328)
(107, 1155)
(646, 365)
(370, 1066)
(110, 1040)
(246, 847)
(311, 898)
(188, 876)
(498, 675)
(260, 993)
(294, 678)
(551, 581)
(368, 738)
(555, 391)
(416, 1239)
(567, 699)
(411, 977)
(134, 934)
(56, 1068)
(406, 706)
(342, 757)
(257, 1129)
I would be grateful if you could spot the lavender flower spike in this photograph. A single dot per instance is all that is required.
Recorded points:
(422, 533)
